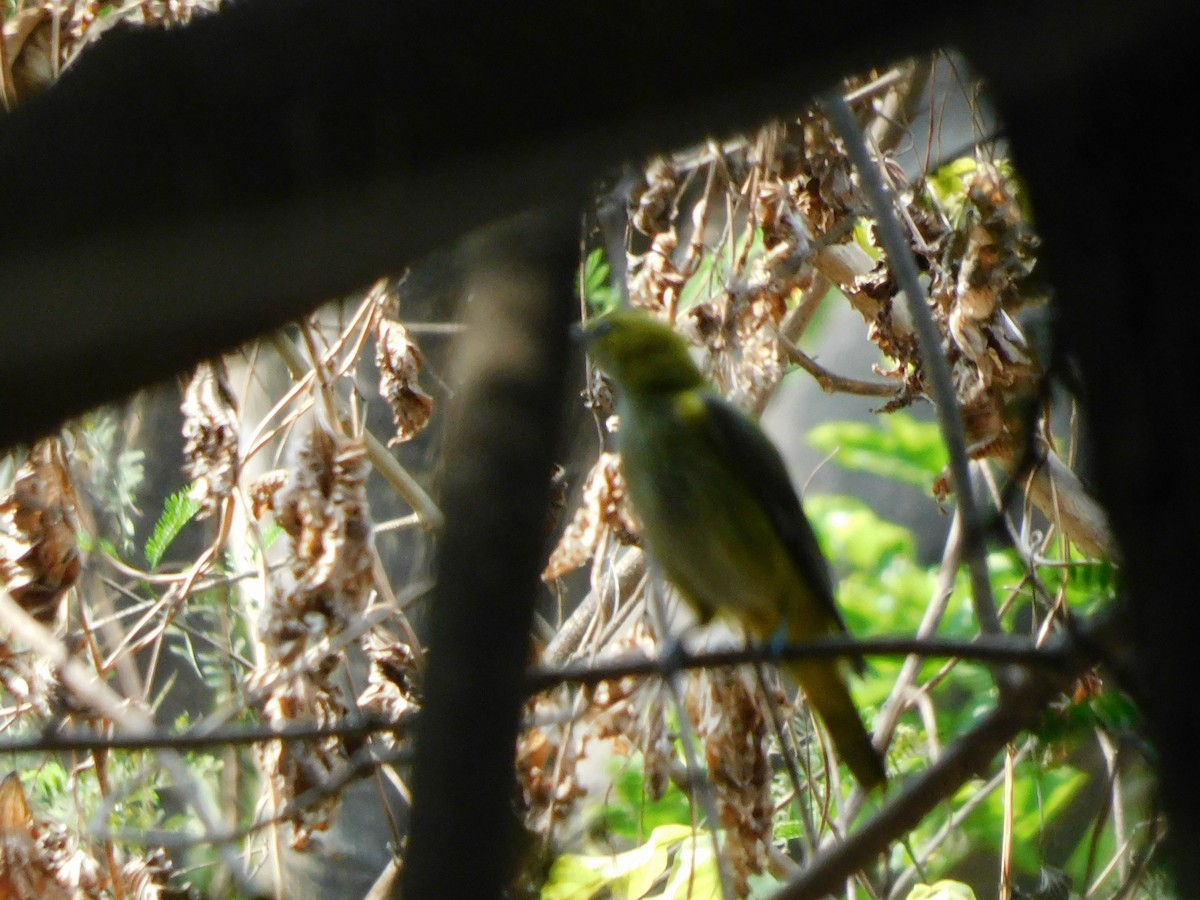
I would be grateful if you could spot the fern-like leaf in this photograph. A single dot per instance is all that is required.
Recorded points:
(178, 510)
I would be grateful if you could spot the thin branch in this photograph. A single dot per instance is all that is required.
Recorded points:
(80, 741)
(904, 267)
(990, 649)
(904, 883)
(363, 764)
(625, 576)
(1058, 492)
(831, 383)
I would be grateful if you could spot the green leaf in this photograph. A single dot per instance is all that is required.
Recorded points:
(948, 184)
(1039, 796)
(862, 237)
(598, 291)
(942, 890)
(626, 876)
(896, 447)
(632, 813)
(694, 874)
(853, 534)
(178, 510)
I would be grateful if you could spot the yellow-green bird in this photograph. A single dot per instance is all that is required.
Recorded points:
(720, 515)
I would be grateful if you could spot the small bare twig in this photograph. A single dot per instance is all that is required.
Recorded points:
(831, 383)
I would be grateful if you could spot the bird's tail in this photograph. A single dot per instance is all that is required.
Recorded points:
(827, 693)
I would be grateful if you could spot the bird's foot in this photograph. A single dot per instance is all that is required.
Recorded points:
(673, 656)
(777, 643)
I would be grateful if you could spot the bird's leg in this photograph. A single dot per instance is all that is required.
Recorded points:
(778, 642)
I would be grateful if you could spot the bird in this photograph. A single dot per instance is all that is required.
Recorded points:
(720, 516)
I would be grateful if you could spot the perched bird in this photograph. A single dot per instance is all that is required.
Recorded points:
(720, 515)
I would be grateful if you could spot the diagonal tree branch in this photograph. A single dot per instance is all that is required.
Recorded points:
(1018, 709)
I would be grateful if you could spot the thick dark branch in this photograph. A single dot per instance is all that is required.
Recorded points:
(177, 193)
(503, 438)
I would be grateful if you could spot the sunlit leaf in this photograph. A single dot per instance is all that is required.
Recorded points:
(178, 510)
(625, 876)
(897, 447)
(942, 890)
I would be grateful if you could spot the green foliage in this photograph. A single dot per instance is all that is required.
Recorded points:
(948, 185)
(1039, 796)
(864, 239)
(598, 293)
(941, 890)
(110, 472)
(178, 510)
(630, 812)
(896, 447)
(882, 589)
(716, 267)
(54, 793)
(684, 856)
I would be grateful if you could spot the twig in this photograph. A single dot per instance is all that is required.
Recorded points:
(58, 742)
(990, 649)
(361, 765)
(904, 267)
(627, 573)
(904, 883)
(703, 788)
(1058, 492)
(831, 383)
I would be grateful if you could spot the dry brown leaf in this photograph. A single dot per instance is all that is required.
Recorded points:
(146, 877)
(392, 681)
(32, 859)
(39, 553)
(727, 710)
(602, 513)
(210, 432)
(28, 53)
(296, 767)
(263, 491)
(655, 281)
(655, 199)
(30, 681)
(323, 509)
(399, 361)
(324, 588)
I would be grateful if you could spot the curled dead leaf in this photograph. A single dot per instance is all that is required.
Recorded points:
(399, 361)
(602, 513)
(210, 432)
(39, 553)
(39, 860)
(28, 37)
(656, 199)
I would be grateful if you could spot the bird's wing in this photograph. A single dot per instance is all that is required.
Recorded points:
(752, 452)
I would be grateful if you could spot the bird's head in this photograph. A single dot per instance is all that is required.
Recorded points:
(642, 354)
